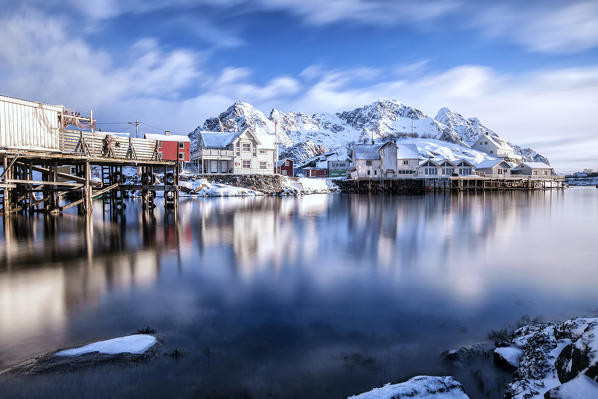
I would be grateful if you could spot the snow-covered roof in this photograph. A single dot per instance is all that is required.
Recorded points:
(163, 137)
(366, 151)
(218, 139)
(280, 162)
(536, 165)
(267, 141)
(322, 164)
(489, 163)
(407, 151)
(500, 143)
(431, 160)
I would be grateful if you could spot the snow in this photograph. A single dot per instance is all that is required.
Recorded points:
(366, 151)
(580, 387)
(136, 344)
(217, 139)
(431, 148)
(537, 165)
(421, 387)
(407, 151)
(307, 185)
(510, 354)
(204, 188)
(163, 137)
(489, 163)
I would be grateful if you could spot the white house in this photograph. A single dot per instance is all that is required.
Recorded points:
(235, 153)
(374, 160)
(408, 159)
(495, 146)
(429, 168)
(539, 169)
(497, 168)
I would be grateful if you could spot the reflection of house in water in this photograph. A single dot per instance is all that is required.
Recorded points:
(52, 267)
(260, 231)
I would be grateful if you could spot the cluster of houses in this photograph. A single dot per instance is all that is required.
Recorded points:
(247, 153)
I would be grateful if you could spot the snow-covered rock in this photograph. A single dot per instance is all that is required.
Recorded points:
(135, 344)
(558, 360)
(508, 356)
(421, 387)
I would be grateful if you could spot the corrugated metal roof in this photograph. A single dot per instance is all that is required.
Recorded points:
(218, 139)
(366, 151)
(162, 137)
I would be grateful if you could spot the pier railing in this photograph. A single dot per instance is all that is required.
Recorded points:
(99, 145)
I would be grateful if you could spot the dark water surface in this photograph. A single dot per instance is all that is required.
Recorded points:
(315, 296)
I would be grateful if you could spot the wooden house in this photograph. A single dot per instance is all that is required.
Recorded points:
(537, 169)
(496, 168)
(374, 160)
(172, 147)
(285, 167)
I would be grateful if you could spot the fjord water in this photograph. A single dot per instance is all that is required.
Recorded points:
(313, 296)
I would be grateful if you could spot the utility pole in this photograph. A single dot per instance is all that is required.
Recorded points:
(136, 123)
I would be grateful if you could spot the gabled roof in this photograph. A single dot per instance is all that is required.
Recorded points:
(366, 151)
(497, 141)
(163, 137)
(281, 161)
(535, 165)
(460, 161)
(435, 162)
(490, 163)
(218, 139)
(407, 151)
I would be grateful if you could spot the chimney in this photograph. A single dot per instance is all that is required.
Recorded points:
(167, 132)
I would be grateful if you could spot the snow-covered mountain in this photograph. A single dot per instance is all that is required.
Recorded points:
(303, 136)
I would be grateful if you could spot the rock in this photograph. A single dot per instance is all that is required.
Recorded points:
(424, 387)
(508, 356)
(466, 352)
(558, 360)
(581, 387)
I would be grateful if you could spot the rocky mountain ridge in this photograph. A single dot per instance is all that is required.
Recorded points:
(303, 136)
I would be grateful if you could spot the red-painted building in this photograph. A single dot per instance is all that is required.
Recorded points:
(285, 167)
(311, 171)
(172, 147)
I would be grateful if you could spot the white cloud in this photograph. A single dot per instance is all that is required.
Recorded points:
(564, 27)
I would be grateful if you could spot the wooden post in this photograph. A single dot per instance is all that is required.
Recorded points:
(87, 189)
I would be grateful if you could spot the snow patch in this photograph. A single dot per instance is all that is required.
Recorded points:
(421, 387)
(135, 344)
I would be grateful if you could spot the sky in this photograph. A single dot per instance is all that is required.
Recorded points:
(529, 72)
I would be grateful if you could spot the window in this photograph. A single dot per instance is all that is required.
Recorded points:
(247, 163)
(287, 163)
(369, 172)
(535, 172)
(246, 147)
(546, 172)
(262, 152)
(262, 165)
(238, 150)
(181, 155)
(405, 162)
(375, 172)
(284, 172)
(430, 171)
(181, 144)
(368, 163)
(491, 152)
(500, 171)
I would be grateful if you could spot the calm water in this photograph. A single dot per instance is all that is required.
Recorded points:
(316, 296)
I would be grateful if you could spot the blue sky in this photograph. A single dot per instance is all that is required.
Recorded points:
(529, 72)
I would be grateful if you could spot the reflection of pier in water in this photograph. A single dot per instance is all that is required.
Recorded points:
(51, 266)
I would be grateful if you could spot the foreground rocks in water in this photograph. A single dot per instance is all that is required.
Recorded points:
(558, 360)
(135, 348)
(508, 356)
(421, 387)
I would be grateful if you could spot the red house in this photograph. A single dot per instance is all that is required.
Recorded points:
(172, 147)
(285, 167)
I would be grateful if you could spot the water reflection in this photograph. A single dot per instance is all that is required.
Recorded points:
(314, 277)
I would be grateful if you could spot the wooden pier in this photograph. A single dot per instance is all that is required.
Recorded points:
(47, 167)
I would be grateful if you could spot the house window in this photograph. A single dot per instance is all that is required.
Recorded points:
(262, 152)
(369, 172)
(246, 147)
(238, 149)
(500, 171)
(491, 152)
(284, 172)
(181, 155)
(405, 162)
(535, 172)
(546, 172)
(181, 144)
(287, 163)
(247, 163)
(368, 163)
(262, 165)
(375, 172)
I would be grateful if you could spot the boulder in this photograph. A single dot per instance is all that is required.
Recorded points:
(422, 387)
